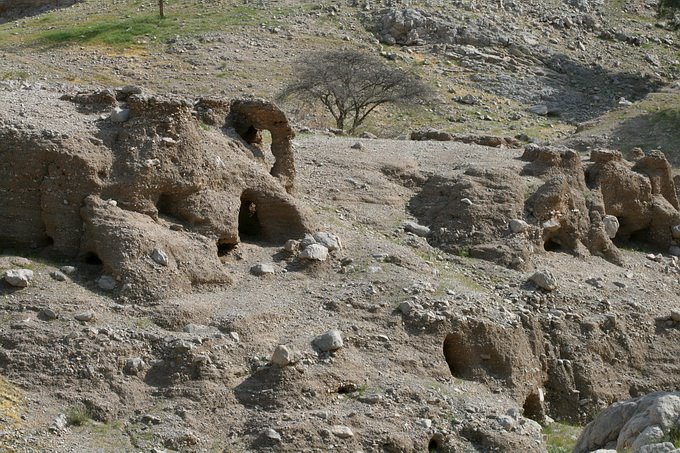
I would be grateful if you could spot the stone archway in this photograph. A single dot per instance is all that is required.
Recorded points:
(249, 117)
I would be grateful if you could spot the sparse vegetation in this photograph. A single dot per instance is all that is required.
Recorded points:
(78, 416)
(561, 437)
(352, 84)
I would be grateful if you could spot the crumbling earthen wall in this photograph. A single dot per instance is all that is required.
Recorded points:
(146, 176)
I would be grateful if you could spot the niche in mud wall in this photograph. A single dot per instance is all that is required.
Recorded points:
(249, 226)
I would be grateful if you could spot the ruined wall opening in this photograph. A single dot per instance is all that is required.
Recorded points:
(552, 246)
(92, 258)
(249, 227)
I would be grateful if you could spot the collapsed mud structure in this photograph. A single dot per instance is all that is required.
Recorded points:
(556, 203)
(145, 185)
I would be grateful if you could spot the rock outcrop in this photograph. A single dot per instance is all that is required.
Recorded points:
(86, 181)
(561, 203)
(644, 424)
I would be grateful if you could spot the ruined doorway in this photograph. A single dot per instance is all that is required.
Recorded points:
(249, 226)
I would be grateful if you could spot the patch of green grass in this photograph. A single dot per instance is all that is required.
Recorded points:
(674, 436)
(78, 416)
(14, 75)
(144, 323)
(561, 437)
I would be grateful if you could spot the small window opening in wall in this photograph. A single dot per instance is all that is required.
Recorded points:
(92, 258)
(552, 246)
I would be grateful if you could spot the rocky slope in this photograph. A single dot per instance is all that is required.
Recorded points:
(435, 350)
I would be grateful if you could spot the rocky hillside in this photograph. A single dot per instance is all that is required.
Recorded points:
(185, 266)
(536, 70)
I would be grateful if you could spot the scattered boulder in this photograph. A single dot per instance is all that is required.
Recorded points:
(160, 257)
(328, 240)
(283, 356)
(329, 341)
(343, 432)
(544, 280)
(86, 316)
(417, 229)
(58, 276)
(640, 424)
(314, 252)
(133, 366)
(119, 115)
(19, 278)
(263, 269)
(107, 283)
(518, 226)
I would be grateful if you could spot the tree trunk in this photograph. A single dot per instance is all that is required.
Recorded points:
(161, 4)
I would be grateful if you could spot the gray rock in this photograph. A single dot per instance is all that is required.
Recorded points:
(160, 257)
(406, 307)
(60, 423)
(48, 314)
(417, 229)
(133, 366)
(283, 356)
(271, 435)
(328, 240)
(315, 252)
(263, 269)
(674, 250)
(540, 109)
(675, 315)
(19, 278)
(649, 436)
(307, 241)
(357, 145)
(343, 432)
(291, 246)
(611, 225)
(544, 280)
(119, 115)
(370, 398)
(518, 226)
(329, 341)
(663, 447)
(68, 270)
(107, 283)
(86, 316)
(625, 421)
(58, 276)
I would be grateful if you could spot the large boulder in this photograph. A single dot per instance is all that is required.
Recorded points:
(86, 186)
(647, 423)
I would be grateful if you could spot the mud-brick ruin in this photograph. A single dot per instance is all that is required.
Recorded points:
(154, 189)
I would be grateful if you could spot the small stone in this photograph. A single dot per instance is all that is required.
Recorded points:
(107, 283)
(262, 269)
(406, 307)
(283, 356)
(329, 341)
(371, 398)
(60, 423)
(47, 314)
(343, 432)
(466, 201)
(518, 226)
(160, 257)
(271, 435)
(544, 280)
(506, 422)
(235, 336)
(328, 240)
(119, 115)
(540, 109)
(675, 315)
(19, 278)
(307, 241)
(86, 316)
(58, 276)
(68, 270)
(611, 225)
(133, 366)
(417, 229)
(315, 252)
(291, 246)
(357, 145)
(424, 422)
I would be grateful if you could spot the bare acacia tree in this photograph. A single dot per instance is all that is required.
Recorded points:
(352, 84)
